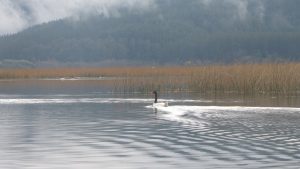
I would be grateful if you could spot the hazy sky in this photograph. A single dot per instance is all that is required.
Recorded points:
(16, 15)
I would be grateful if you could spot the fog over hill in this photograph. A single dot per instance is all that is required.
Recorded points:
(148, 32)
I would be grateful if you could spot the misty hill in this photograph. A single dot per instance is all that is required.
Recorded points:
(174, 32)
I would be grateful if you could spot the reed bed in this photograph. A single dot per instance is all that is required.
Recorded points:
(278, 78)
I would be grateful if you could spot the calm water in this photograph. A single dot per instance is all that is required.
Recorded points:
(81, 125)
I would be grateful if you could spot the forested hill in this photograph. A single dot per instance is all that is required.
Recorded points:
(172, 32)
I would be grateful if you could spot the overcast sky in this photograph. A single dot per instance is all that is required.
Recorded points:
(15, 15)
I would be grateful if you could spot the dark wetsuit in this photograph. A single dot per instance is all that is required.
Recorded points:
(155, 93)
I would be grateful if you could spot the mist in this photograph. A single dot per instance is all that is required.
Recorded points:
(16, 15)
(239, 8)
(148, 31)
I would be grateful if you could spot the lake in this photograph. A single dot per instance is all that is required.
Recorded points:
(64, 124)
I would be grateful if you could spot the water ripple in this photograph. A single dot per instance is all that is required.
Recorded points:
(117, 135)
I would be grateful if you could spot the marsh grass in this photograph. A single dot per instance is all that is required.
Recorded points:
(277, 78)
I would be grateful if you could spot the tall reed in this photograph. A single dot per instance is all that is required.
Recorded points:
(279, 78)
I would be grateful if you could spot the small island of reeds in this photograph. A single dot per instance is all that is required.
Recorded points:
(273, 78)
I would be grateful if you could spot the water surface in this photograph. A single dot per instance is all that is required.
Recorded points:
(83, 125)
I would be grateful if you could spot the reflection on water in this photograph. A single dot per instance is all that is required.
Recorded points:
(98, 130)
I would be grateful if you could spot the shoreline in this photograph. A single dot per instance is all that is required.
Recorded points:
(273, 78)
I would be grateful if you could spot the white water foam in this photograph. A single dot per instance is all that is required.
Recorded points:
(184, 109)
(70, 100)
(197, 115)
(58, 99)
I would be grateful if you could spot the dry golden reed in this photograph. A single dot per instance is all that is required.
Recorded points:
(281, 78)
